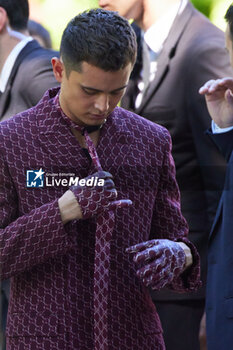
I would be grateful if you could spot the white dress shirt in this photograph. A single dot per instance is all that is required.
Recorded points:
(155, 37)
(217, 130)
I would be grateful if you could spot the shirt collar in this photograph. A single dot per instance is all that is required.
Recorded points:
(10, 61)
(158, 32)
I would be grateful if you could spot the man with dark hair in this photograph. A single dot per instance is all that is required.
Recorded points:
(17, 12)
(25, 67)
(80, 249)
(219, 301)
(181, 50)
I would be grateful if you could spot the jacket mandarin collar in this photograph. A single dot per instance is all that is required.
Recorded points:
(52, 129)
(55, 121)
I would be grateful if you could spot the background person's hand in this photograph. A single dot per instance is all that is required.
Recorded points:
(219, 98)
(159, 261)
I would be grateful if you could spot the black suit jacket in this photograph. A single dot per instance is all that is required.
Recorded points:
(193, 53)
(219, 296)
(31, 76)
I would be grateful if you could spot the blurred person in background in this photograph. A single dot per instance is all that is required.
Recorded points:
(25, 74)
(181, 49)
(219, 301)
(25, 67)
(40, 33)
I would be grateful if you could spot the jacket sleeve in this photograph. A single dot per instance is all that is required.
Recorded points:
(169, 223)
(32, 238)
(224, 141)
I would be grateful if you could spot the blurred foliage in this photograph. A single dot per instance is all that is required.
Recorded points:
(55, 14)
(214, 9)
(204, 6)
(218, 12)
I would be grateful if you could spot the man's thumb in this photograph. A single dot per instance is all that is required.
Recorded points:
(122, 203)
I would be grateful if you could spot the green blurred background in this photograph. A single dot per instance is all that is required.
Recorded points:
(55, 14)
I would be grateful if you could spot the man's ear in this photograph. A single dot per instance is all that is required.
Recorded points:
(3, 18)
(58, 68)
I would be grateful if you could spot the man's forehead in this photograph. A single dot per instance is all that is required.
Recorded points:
(90, 71)
(95, 78)
(86, 67)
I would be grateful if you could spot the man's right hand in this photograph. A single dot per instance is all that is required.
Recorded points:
(83, 202)
(95, 199)
(219, 99)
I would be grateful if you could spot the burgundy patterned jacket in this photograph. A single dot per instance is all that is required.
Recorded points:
(51, 265)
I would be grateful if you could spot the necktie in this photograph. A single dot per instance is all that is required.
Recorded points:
(149, 66)
(105, 225)
(104, 228)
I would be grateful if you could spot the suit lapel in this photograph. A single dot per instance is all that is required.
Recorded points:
(5, 97)
(4, 100)
(168, 52)
(217, 218)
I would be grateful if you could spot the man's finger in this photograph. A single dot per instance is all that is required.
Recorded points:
(212, 86)
(102, 175)
(228, 82)
(109, 184)
(216, 86)
(122, 203)
(205, 88)
(229, 96)
(148, 255)
(141, 246)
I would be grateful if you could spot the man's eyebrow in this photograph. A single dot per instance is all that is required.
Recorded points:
(97, 90)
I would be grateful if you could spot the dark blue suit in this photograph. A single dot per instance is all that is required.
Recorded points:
(219, 299)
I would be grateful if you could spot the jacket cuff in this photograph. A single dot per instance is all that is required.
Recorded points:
(189, 280)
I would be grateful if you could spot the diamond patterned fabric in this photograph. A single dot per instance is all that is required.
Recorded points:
(159, 261)
(100, 200)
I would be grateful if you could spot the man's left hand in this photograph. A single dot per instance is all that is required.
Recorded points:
(160, 261)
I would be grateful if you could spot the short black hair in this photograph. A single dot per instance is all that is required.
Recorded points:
(229, 18)
(99, 37)
(17, 12)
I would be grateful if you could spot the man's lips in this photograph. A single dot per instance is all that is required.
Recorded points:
(98, 116)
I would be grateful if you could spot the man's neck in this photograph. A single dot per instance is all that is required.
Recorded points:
(153, 11)
(94, 137)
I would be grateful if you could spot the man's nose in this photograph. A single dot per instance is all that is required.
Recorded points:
(102, 103)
